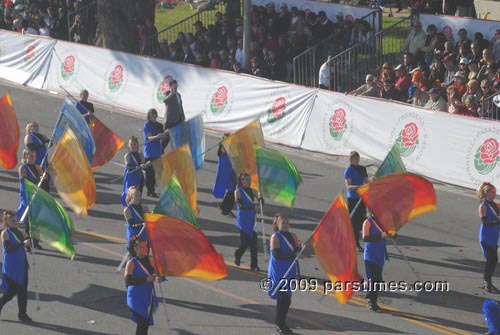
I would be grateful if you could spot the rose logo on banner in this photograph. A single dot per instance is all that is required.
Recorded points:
(219, 101)
(163, 87)
(408, 139)
(30, 53)
(68, 67)
(487, 156)
(338, 124)
(277, 110)
(115, 79)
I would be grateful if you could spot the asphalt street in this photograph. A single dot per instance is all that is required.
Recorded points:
(88, 295)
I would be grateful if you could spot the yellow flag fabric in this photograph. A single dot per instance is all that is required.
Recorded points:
(178, 162)
(72, 174)
(241, 151)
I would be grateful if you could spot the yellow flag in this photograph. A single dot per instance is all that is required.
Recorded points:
(241, 151)
(180, 162)
(72, 174)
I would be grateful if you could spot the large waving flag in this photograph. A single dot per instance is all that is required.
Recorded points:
(398, 198)
(107, 143)
(241, 151)
(49, 221)
(191, 133)
(334, 246)
(182, 250)
(278, 176)
(72, 174)
(180, 162)
(9, 130)
(174, 203)
(69, 117)
(392, 163)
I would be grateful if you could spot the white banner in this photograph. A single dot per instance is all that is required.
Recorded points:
(450, 25)
(464, 154)
(25, 59)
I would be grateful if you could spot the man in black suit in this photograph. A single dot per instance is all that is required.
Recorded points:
(174, 112)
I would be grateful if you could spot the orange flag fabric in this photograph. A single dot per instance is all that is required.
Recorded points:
(180, 162)
(398, 198)
(107, 143)
(72, 174)
(334, 246)
(182, 250)
(241, 151)
(9, 128)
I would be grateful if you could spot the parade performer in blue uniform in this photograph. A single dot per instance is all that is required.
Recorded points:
(139, 279)
(134, 213)
(245, 220)
(14, 266)
(225, 182)
(284, 246)
(37, 142)
(375, 254)
(489, 231)
(153, 135)
(134, 163)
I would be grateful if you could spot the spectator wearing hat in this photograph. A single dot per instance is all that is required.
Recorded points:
(450, 70)
(415, 40)
(463, 66)
(403, 82)
(368, 89)
(436, 101)
(459, 81)
(325, 72)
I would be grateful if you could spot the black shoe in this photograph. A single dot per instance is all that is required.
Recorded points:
(488, 286)
(373, 306)
(38, 246)
(284, 330)
(359, 248)
(152, 194)
(24, 318)
(255, 268)
(28, 249)
(237, 260)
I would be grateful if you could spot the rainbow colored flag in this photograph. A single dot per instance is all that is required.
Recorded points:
(9, 128)
(191, 133)
(334, 246)
(182, 250)
(278, 176)
(49, 221)
(72, 174)
(409, 196)
(69, 117)
(241, 151)
(180, 162)
(107, 143)
(392, 163)
(174, 203)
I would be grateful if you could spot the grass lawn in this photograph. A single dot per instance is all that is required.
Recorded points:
(168, 17)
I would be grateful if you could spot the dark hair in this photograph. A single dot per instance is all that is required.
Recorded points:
(151, 111)
(276, 217)
(172, 82)
(6, 215)
(240, 178)
(134, 242)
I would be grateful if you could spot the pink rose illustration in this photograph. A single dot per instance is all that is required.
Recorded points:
(338, 119)
(489, 151)
(448, 32)
(165, 84)
(349, 18)
(69, 64)
(409, 135)
(278, 107)
(117, 74)
(221, 97)
(30, 52)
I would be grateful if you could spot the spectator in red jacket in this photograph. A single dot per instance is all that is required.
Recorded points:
(403, 82)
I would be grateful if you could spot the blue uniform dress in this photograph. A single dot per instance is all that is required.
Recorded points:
(141, 297)
(225, 178)
(278, 267)
(375, 252)
(245, 217)
(488, 234)
(32, 175)
(136, 226)
(14, 264)
(41, 150)
(134, 178)
(152, 149)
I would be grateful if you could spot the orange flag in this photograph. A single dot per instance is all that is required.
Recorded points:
(9, 128)
(72, 174)
(409, 196)
(180, 162)
(182, 250)
(241, 151)
(107, 143)
(334, 246)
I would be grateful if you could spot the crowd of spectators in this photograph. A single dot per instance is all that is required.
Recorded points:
(441, 74)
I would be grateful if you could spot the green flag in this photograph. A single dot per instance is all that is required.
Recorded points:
(278, 176)
(49, 221)
(173, 203)
(391, 164)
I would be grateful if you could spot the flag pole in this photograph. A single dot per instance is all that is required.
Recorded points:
(266, 258)
(291, 266)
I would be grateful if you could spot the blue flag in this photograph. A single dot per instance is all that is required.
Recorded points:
(225, 178)
(70, 117)
(192, 133)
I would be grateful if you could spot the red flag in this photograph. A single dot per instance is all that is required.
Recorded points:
(182, 250)
(398, 198)
(9, 128)
(107, 143)
(334, 246)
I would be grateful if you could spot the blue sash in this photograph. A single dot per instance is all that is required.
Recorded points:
(132, 178)
(14, 262)
(375, 252)
(277, 268)
(245, 218)
(140, 297)
(489, 234)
